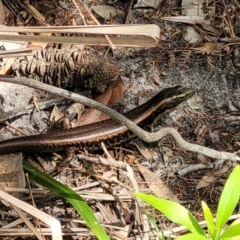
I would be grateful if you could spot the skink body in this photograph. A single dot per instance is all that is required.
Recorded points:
(109, 131)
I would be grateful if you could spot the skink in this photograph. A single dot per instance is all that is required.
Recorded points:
(109, 131)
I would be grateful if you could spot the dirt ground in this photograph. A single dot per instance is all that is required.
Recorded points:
(210, 118)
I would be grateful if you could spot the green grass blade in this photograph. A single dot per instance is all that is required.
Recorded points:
(235, 222)
(153, 221)
(192, 237)
(209, 219)
(173, 211)
(232, 231)
(73, 198)
(229, 198)
(235, 238)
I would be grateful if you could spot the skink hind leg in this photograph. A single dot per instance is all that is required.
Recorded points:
(65, 162)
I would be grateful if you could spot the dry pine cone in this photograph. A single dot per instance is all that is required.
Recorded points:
(66, 69)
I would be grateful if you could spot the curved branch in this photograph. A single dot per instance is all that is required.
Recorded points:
(142, 134)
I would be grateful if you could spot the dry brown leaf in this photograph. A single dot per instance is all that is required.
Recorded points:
(206, 24)
(75, 109)
(210, 177)
(128, 35)
(110, 97)
(91, 115)
(205, 181)
(131, 159)
(222, 170)
(224, 134)
(117, 93)
(35, 13)
(191, 35)
(107, 12)
(156, 185)
(108, 216)
(62, 120)
(207, 47)
(6, 66)
(56, 114)
(146, 153)
(8, 55)
(148, 3)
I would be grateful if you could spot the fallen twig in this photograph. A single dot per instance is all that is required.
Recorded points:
(142, 134)
(29, 108)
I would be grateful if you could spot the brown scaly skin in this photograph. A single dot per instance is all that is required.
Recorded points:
(109, 131)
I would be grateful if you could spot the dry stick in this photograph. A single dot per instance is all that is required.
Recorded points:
(228, 20)
(128, 13)
(33, 202)
(103, 161)
(16, 129)
(200, 166)
(23, 217)
(96, 21)
(142, 134)
(35, 102)
(79, 11)
(37, 15)
(29, 108)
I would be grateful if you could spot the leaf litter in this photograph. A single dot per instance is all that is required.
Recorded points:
(210, 66)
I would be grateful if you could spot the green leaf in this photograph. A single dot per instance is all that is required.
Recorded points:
(229, 198)
(173, 211)
(77, 202)
(209, 219)
(192, 237)
(237, 221)
(235, 238)
(232, 231)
